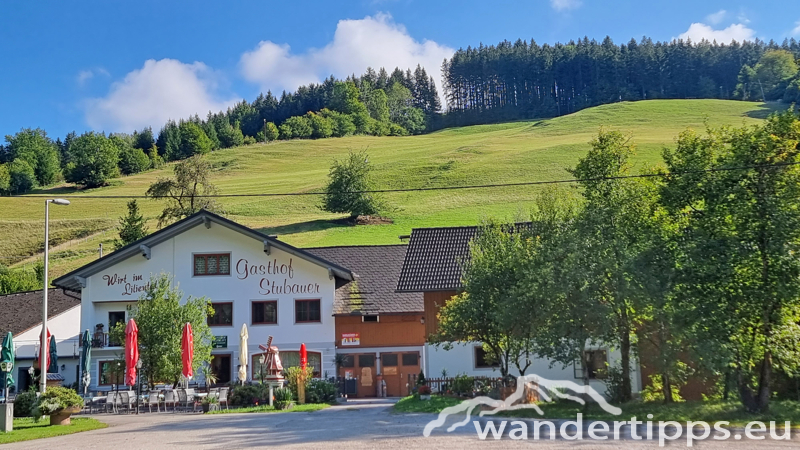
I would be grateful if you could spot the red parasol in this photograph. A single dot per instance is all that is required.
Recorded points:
(131, 352)
(187, 350)
(303, 356)
(44, 351)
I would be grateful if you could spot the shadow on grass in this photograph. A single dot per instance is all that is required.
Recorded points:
(303, 227)
(765, 109)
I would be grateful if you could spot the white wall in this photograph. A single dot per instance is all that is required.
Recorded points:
(461, 360)
(66, 328)
(175, 256)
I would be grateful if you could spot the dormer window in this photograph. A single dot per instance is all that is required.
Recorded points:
(212, 264)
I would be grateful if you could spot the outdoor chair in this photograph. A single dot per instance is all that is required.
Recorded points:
(154, 400)
(170, 398)
(123, 400)
(223, 397)
(190, 399)
(111, 402)
(183, 399)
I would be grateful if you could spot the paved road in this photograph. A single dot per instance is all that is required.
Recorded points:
(356, 424)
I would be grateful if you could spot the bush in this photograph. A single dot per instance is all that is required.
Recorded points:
(283, 398)
(249, 140)
(21, 177)
(55, 399)
(5, 179)
(133, 160)
(23, 404)
(347, 181)
(293, 375)
(462, 385)
(321, 391)
(424, 390)
(250, 395)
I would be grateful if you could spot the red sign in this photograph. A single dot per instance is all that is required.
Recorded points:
(351, 339)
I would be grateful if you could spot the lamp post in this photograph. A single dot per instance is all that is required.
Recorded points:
(139, 385)
(43, 359)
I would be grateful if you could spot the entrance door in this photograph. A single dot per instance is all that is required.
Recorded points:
(221, 367)
(365, 372)
(396, 368)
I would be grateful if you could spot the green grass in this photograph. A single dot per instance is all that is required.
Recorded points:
(534, 150)
(308, 407)
(413, 404)
(25, 429)
(709, 411)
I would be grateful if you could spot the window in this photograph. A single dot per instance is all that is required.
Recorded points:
(389, 359)
(115, 318)
(366, 360)
(222, 316)
(264, 313)
(348, 361)
(306, 311)
(410, 359)
(483, 360)
(596, 363)
(369, 319)
(221, 368)
(212, 264)
(111, 372)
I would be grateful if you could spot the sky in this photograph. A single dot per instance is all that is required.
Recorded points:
(116, 66)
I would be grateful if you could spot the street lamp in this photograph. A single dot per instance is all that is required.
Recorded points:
(43, 359)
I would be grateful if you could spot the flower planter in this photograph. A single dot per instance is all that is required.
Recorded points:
(209, 407)
(425, 397)
(61, 417)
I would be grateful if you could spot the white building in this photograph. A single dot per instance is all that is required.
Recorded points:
(250, 278)
(22, 316)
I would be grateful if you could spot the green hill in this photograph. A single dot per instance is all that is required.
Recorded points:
(502, 153)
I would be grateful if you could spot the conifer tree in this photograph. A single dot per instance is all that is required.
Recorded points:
(131, 226)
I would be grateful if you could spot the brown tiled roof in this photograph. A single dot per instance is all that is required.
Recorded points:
(434, 257)
(22, 311)
(376, 268)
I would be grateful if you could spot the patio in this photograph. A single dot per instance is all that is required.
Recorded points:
(179, 400)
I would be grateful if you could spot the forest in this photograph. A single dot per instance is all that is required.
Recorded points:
(480, 85)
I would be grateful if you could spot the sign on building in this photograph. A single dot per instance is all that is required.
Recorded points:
(351, 339)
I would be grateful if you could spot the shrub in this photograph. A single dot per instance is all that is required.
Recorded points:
(293, 375)
(321, 391)
(133, 160)
(21, 177)
(462, 385)
(283, 398)
(250, 395)
(55, 399)
(421, 379)
(347, 180)
(5, 179)
(424, 390)
(249, 140)
(23, 404)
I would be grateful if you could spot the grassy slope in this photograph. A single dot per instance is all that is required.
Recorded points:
(501, 153)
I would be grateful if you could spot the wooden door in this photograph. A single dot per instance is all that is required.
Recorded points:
(365, 372)
(409, 364)
(390, 369)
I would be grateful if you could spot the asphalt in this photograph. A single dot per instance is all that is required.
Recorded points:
(356, 424)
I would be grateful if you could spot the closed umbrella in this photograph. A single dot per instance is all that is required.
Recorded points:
(243, 354)
(187, 350)
(52, 363)
(86, 355)
(7, 364)
(44, 351)
(131, 352)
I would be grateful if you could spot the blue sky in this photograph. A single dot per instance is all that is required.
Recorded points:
(120, 65)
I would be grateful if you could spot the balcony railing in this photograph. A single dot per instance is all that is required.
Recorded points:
(102, 340)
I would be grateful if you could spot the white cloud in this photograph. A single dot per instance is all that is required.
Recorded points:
(86, 75)
(699, 31)
(717, 17)
(796, 30)
(160, 90)
(374, 41)
(564, 5)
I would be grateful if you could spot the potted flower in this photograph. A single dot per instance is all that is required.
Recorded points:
(424, 392)
(210, 403)
(284, 398)
(59, 403)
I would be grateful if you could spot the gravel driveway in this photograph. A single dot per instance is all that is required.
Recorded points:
(358, 424)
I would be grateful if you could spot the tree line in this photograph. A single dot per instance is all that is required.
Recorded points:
(524, 79)
(695, 268)
(376, 103)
